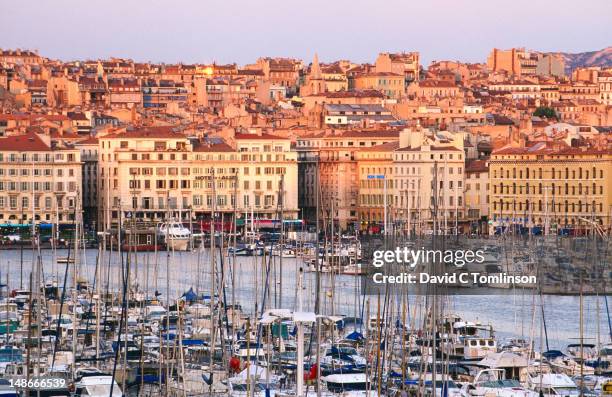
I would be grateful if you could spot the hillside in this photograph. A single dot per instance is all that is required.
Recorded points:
(584, 59)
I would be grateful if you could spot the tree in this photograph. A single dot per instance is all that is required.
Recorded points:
(544, 111)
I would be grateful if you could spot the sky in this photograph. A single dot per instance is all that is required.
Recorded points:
(226, 31)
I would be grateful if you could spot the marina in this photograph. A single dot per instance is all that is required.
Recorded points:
(241, 316)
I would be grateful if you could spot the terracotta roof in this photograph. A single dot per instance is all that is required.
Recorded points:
(551, 148)
(404, 56)
(249, 72)
(477, 166)
(354, 94)
(19, 53)
(257, 136)
(369, 134)
(77, 116)
(7, 117)
(431, 148)
(437, 84)
(374, 74)
(23, 143)
(50, 117)
(165, 132)
(92, 140)
(215, 147)
(385, 147)
(333, 68)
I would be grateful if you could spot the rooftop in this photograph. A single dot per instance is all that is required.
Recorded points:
(30, 142)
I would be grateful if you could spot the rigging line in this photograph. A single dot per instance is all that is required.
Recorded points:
(124, 270)
(223, 289)
(263, 304)
(59, 321)
(91, 295)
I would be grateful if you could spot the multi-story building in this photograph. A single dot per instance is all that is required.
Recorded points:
(434, 89)
(124, 93)
(39, 182)
(281, 71)
(93, 91)
(517, 89)
(157, 95)
(347, 115)
(158, 173)
(89, 185)
(477, 194)
(406, 64)
(551, 185)
(19, 56)
(520, 62)
(604, 79)
(428, 185)
(269, 172)
(390, 84)
(375, 173)
(38, 89)
(329, 163)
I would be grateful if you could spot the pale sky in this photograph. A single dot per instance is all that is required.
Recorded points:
(243, 30)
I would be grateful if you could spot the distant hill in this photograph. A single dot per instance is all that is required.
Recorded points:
(585, 59)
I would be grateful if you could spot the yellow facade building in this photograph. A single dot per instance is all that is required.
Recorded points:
(375, 170)
(552, 186)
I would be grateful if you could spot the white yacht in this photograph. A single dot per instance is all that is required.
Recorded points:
(493, 383)
(557, 385)
(98, 386)
(176, 236)
(349, 385)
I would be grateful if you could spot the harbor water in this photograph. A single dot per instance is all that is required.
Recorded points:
(516, 315)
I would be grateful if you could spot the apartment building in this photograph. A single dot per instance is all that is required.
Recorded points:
(551, 185)
(477, 193)
(428, 182)
(269, 175)
(89, 186)
(328, 162)
(520, 62)
(406, 64)
(158, 173)
(158, 95)
(604, 79)
(39, 182)
(390, 84)
(376, 180)
(517, 89)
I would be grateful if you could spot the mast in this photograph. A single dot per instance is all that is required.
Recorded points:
(317, 280)
(75, 278)
(167, 341)
(213, 276)
(581, 340)
(434, 301)
(300, 340)
(234, 253)
(281, 196)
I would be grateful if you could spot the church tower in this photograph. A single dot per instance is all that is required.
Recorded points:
(316, 83)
